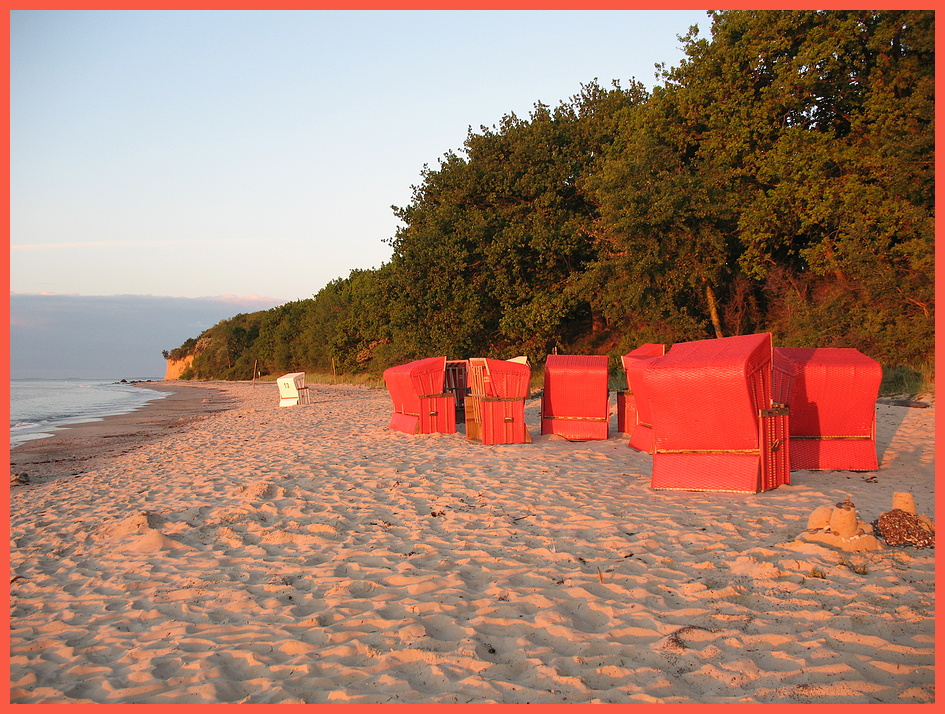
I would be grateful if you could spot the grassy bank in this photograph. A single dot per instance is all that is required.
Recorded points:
(910, 381)
(898, 380)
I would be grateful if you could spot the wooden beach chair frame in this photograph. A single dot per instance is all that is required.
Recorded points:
(495, 404)
(456, 381)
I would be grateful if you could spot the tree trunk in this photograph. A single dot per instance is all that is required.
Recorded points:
(713, 310)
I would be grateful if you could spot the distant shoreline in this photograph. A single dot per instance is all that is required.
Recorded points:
(70, 449)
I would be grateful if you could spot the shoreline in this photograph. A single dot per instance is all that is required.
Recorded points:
(72, 448)
(248, 553)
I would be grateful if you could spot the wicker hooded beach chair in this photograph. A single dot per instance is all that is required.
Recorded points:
(421, 403)
(633, 407)
(832, 398)
(292, 389)
(495, 405)
(715, 424)
(575, 402)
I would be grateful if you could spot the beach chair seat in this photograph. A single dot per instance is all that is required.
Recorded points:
(575, 401)
(633, 408)
(292, 389)
(626, 411)
(457, 372)
(495, 404)
(420, 400)
(832, 397)
(715, 424)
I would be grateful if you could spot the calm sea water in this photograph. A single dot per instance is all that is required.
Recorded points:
(39, 407)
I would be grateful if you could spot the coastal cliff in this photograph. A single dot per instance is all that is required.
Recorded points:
(176, 367)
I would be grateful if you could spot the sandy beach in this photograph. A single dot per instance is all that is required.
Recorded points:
(215, 548)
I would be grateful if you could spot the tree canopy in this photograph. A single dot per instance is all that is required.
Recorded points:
(780, 178)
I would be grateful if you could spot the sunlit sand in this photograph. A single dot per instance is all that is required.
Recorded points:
(235, 551)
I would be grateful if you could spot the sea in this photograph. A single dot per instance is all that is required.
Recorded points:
(41, 407)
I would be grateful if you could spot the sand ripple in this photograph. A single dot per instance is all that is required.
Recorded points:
(311, 555)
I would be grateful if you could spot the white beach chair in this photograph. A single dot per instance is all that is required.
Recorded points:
(292, 389)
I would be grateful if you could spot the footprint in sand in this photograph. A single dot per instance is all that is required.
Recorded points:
(586, 619)
(443, 628)
(362, 589)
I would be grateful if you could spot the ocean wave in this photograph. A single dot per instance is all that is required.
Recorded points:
(39, 407)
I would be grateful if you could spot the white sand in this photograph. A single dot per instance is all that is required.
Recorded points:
(309, 554)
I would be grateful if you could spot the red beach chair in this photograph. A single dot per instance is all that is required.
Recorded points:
(633, 406)
(833, 407)
(421, 404)
(495, 405)
(715, 425)
(575, 402)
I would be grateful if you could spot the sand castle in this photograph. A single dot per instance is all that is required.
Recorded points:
(839, 526)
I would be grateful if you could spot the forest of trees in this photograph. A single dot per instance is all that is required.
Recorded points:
(779, 179)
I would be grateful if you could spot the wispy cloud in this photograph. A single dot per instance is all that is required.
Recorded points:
(263, 301)
(246, 299)
(85, 245)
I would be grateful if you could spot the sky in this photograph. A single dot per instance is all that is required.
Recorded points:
(257, 154)
(108, 336)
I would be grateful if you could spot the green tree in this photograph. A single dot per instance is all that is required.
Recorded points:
(278, 344)
(665, 226)
(224, 351)
(442, 303)
(495, 241)
(786, 164)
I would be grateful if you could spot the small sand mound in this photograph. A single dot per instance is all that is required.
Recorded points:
(139, 533)
(133, 525)
(155, 542)
(261, 491)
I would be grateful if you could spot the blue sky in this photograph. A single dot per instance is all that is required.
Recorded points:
(195, 154)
